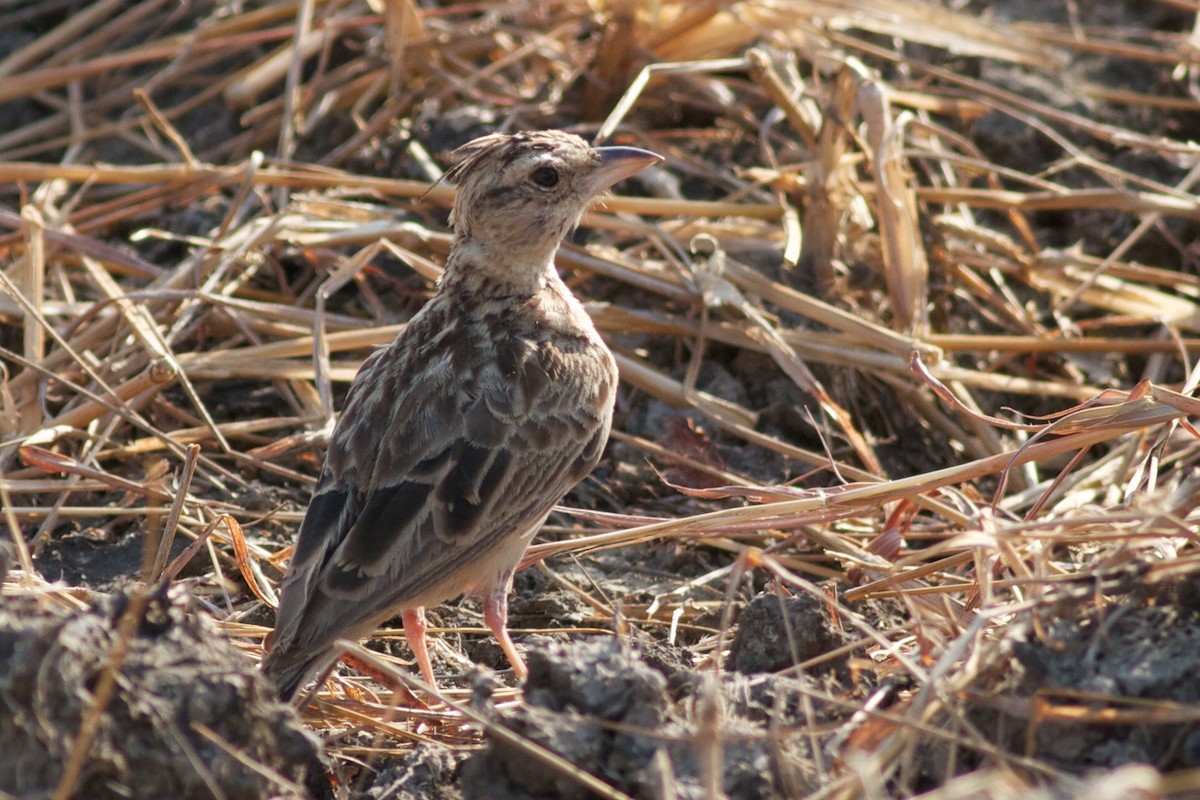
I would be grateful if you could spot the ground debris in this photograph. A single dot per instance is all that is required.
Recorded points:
(606, 711)
(178, 681)
(776, 632)
(428, 772)
(1099, 689)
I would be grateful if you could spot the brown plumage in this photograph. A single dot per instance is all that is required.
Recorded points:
(459, 437)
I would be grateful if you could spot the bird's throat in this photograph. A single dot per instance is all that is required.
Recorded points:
(475, 267)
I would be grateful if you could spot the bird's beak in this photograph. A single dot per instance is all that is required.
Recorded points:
(618, 163)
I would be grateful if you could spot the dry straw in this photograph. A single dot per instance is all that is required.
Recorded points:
(853, 158)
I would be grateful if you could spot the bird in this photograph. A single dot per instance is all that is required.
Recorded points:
(458, 438)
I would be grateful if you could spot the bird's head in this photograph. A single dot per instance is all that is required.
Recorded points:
(520, 194)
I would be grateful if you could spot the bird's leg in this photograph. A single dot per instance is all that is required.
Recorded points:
(495, 616)
(414, 632)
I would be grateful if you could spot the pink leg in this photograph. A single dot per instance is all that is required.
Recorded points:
(495, 616)
(414, 632)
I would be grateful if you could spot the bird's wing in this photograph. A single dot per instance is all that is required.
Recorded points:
(435, 462)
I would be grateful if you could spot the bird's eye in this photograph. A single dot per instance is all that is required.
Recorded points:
(546, 177)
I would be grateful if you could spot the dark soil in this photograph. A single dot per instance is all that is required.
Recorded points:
(1096, 690)
(602, 707)
(775, 633)
(189, 718)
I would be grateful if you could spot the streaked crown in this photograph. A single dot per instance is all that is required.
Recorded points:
(522, 193)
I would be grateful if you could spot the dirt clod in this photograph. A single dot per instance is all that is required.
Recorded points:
(776, 632)
(599, 706)
(186, 713)
(429, 772)
(1133, 662)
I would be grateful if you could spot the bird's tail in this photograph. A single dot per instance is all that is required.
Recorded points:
(289, 669)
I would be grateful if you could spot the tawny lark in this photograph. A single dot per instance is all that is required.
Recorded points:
(458, 438)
